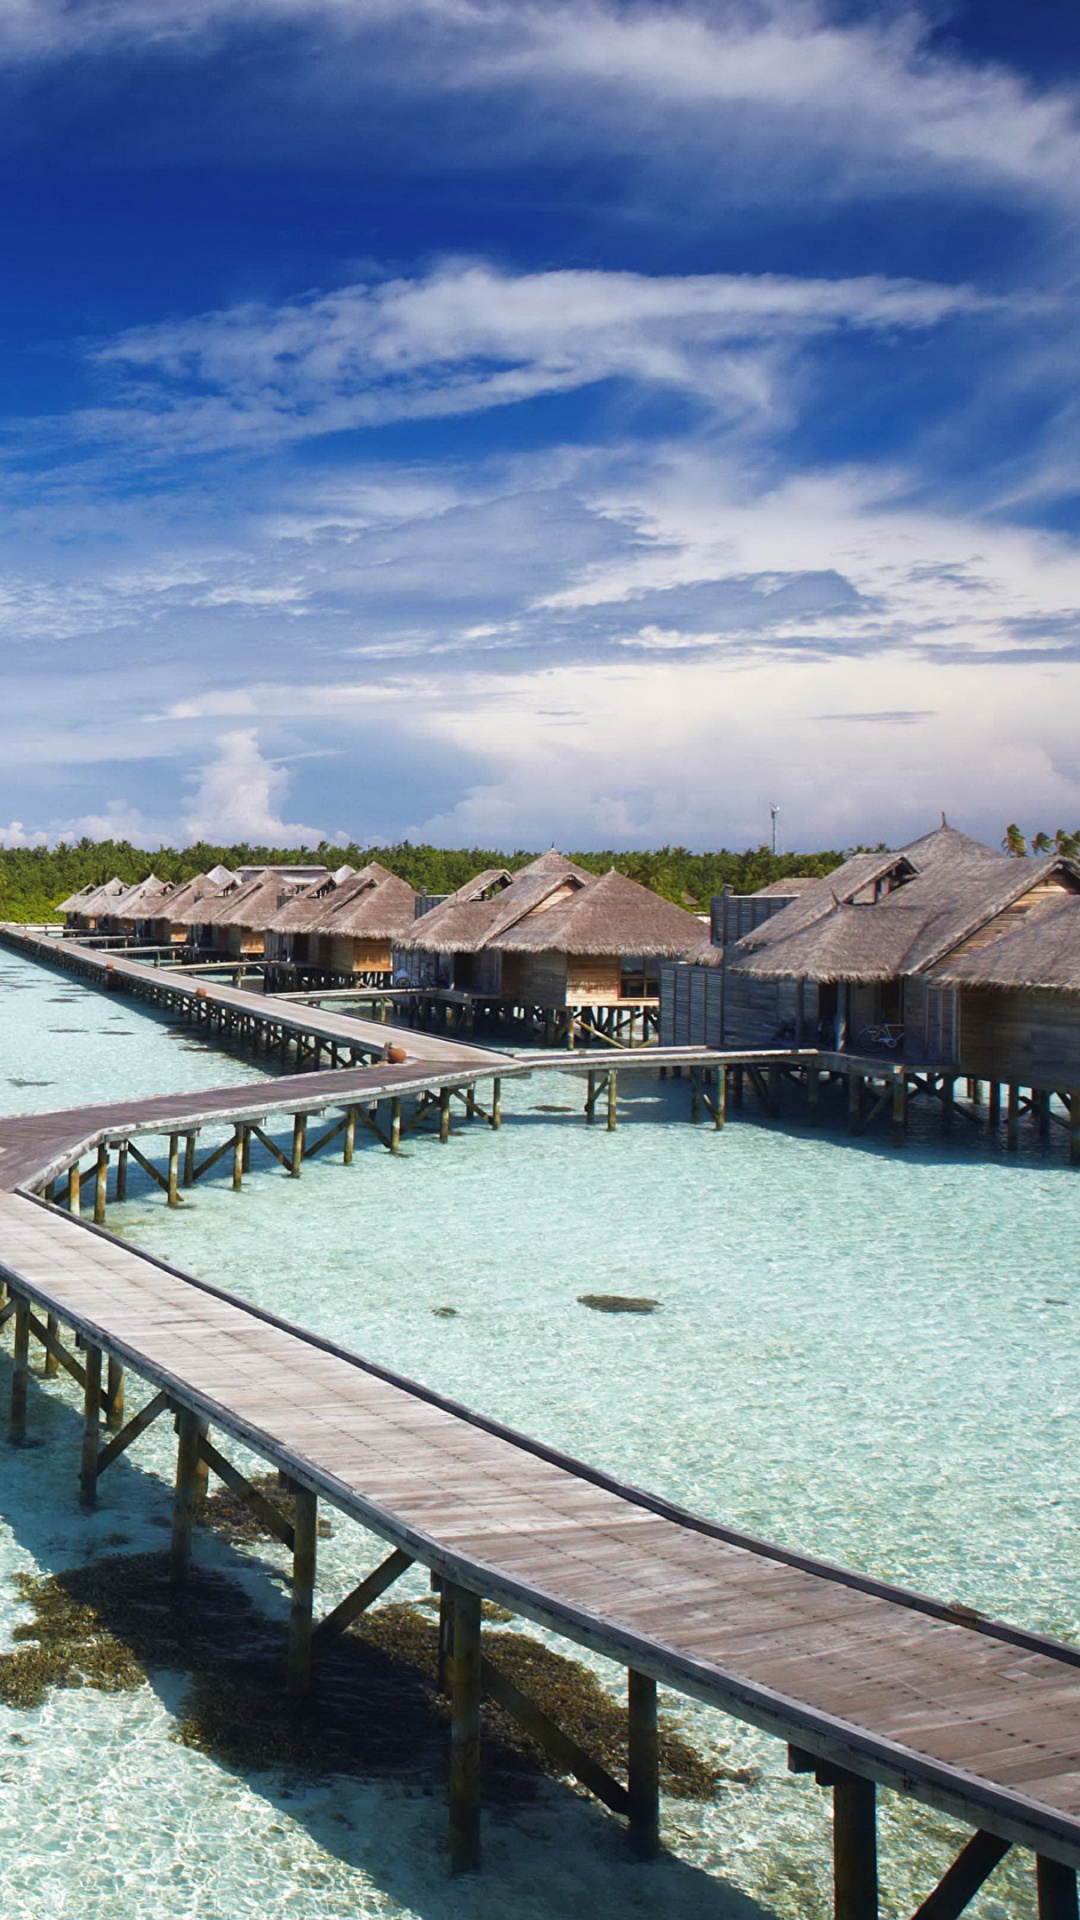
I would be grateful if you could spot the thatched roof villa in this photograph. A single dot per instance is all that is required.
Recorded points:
(347, 925)
(549, 935)
(165, 925)
(874, 956)
(235, 918)
(90, 908)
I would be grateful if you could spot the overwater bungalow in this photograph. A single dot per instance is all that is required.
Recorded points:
(167, 926)
(235, 920)
(1018, 997)
(134, 912)
(87, 910)
(345, 927)
(551, 938)
(863, 960)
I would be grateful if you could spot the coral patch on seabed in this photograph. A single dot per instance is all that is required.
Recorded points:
(375, 1709)
(618, 1302)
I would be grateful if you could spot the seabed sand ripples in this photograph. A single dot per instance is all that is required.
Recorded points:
(871, 1355)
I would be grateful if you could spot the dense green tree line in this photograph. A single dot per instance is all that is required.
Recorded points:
(34, 879)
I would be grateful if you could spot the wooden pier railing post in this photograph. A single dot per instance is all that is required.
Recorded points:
(855, 1875)
(88, 1473)
(189, 1429)
(1056, 1885)
(464, 1664)
(643, 1774)
(20, 1372)
(301, 1610)
(101, 1185)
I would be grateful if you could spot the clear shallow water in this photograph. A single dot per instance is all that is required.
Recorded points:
(872, 1355)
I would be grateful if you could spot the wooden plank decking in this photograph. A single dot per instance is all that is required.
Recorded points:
(979, 1719)
(866, 1681)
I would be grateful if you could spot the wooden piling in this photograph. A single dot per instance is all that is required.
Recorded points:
(1056, 1887)
(590, 1100)
(612, 1102)
(299, 1139)
(1012, 1119)
(899, 1108)
(855, 1877)
(720, 1109)
(301, 1610)
(444, 1114)
(237, 1159)
(121, 1171)
(51, 1365)
(189, 1159)
(101, 1185)
(1074, 1127)
(643, 1764)
(188, 1434)
(88, 1473)
(496, 1104)
(114, 1395)
(695, 1097)
(349, 1144)
(395, 1125)
(464, 1677)
(172, 1191)
(20, 1371)
(74, 1189)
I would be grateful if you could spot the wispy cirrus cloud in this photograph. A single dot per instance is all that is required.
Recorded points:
(468, 338)
(831, 99)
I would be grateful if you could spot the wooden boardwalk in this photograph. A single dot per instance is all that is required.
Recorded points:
(869, 1684)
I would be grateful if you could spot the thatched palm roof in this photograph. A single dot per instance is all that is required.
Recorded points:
(202, 886)
(75, 902)
(372, 904)
(250, 904)
(1042, 951)
(935, 894)
(490, 902)
(612, 915)
(795, 883)
(100, 899)
(144, 901)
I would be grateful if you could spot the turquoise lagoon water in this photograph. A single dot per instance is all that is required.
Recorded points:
(869, 1354)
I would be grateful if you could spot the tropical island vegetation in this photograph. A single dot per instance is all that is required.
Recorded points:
(33, 879)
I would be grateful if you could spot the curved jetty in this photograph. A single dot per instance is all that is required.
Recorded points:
(868, 1683)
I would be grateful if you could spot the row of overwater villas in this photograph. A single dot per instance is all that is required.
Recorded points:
(945, 952)
(548, 935)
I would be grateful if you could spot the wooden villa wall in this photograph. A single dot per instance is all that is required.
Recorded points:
(691, 1006)
(592, 979)
(535, 979)
(1030, 1036)
(344, 953)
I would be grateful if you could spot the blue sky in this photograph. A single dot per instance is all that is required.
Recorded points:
(506, 422)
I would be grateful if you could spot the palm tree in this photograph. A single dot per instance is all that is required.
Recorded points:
(1014, 842)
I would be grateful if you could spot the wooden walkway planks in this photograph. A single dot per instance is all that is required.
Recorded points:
(984, 1722)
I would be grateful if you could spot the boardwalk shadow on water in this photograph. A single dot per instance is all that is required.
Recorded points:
(370, 1748)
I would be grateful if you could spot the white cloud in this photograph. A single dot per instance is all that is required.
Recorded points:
(871, 100)
(16, 835)
(237, 797)
(468, 337)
